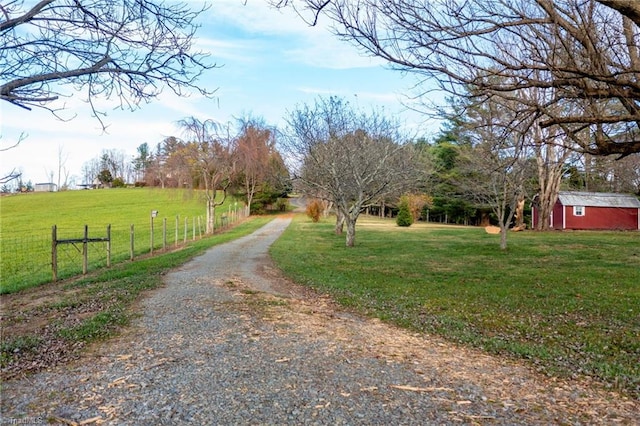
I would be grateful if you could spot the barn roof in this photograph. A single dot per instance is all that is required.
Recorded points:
(598, 199)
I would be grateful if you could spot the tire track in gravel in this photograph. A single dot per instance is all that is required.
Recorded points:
(229, 341)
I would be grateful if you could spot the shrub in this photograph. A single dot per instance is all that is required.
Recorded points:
(118, 183)
(258, 208)
(415, 204)
(404, 217)
(282, 204)
(314, 209)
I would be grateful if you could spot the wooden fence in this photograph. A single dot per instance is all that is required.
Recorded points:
(181, 234)
(85, 240)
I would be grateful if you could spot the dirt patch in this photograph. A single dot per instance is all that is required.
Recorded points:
(31, 322)
(440, 367)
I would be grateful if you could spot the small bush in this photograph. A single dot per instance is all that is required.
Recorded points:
(258, 208)
(282, 204)
(404, 217)
(314, 209)
(118, 183)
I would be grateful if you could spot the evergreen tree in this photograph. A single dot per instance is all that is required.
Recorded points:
(404, 217)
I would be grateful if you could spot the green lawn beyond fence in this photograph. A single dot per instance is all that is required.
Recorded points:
(26, 222)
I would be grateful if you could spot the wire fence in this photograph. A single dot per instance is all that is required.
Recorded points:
(30, 260)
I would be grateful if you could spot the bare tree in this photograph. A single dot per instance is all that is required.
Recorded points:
(495, 169)
(605, 174)
(156, 172)
(115, 161)
(254, 149)
(210, 156)
(353, 159)
(587, 51)
(63, 184)
(90, 171)
(128, 50)
(552, 150)
(161, 164)
(628, 8)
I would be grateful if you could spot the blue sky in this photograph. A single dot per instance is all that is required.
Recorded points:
(270, 62)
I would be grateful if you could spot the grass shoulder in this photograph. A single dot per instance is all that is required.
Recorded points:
(568, 302)
(51, 323)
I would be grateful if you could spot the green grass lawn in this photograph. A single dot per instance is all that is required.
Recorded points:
(93, 307)
(26, 221)
(567, 301)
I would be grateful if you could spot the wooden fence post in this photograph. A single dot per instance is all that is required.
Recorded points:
(186, 226)
(164, 233)
(54, 252)
(85, 251)
(194, 229)
(177, 225)
(131, 237)
(109, 246)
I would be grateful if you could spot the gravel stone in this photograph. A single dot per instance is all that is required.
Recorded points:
(228, 341)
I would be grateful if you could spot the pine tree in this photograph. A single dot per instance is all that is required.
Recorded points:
(404, 217)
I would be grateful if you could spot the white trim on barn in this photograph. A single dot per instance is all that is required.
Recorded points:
(592, 210)
(588, 207)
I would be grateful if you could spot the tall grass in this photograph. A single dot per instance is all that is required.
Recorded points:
(26, 221)
(567, 301)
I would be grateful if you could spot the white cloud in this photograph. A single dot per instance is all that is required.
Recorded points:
(310, 45)
(257, 17)
(330, 53)
(369, 97)
(270, 61)
(227, 50)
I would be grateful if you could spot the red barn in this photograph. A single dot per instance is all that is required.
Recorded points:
(594, 210)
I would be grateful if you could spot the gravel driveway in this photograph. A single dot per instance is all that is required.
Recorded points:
(229, 341)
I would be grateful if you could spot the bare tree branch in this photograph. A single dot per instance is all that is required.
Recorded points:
(585, 51)
(628, 8)
(127, 50)
(348, 158)
(209, 156)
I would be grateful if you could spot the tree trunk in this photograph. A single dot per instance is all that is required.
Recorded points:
(520, 225)
(550, 161)
(250, 188)
(249, 201)
(339, 222)
(503, 236)
(546, 200)
(351, 231)
(211, 214)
